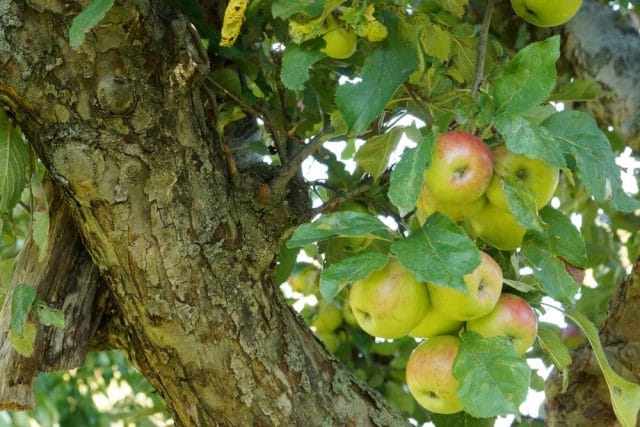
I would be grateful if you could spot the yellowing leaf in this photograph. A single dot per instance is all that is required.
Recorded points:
(436, 42)
(23, 344)
(233, 19)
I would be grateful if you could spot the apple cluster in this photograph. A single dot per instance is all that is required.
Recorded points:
(391, 303)
(464, 182)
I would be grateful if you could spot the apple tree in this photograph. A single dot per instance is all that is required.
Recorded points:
(324, 212)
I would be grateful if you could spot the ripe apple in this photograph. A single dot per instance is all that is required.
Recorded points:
(484, 285)
(546, 13)
(497, 227)
(435, 323)
(512, 317)
(430, 374)
(389, 302)
(428, 204)
(329, 318)
(540, 178)
(340, 43)
(461, 168)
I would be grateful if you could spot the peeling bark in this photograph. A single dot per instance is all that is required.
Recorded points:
(187, 256)
(586, 401)
(66, 279)
(601, 44)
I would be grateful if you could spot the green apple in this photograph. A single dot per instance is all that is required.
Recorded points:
(347, 314)
(354, 243)
(389, 302)
(340, 43)
(329, 318)
(428, 204)
(435, 323)
(305, 280)
(430, 374)
(461, 168)
(330, 340)
(540, 178)
(512, 317)
(497, 227)
(546, 13)
(484, 285)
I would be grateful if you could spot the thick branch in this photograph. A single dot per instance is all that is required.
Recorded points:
(66, 279)
(601, 44)
(586, 401)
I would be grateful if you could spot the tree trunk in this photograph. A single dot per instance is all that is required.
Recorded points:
(586, 400)
(119, 123)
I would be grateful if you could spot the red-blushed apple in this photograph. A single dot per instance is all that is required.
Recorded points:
(540, 178)
(498, 227)
(461, 168)
(430, 374)
(512, 317)
(546, 13)
(484, 285)
(427, 204)
(389, 302)
(435, 323)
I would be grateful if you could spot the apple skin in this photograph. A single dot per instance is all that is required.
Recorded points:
(512, 317)
(389, 302)
(340, 43)
(430, 374)
(329, 318)
(498, 227)
(461, 168)
(428, 204)
(484, 285)
(540, 178)
(546, 13)
(435, 323)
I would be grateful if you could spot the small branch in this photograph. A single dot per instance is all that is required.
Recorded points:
(482, 48)
(288, 172)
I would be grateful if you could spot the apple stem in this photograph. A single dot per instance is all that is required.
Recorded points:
(482, 48)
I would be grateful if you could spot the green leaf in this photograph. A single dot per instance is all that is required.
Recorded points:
(40, 232)
(382, 73)
(436, 42)
(528, 79)
(460, 419)
(579, 136)
(49, 316)
(529, 139)
(14, 161)
(407, 176)
(440, 253)
(578, 90)
(625, 395)
(345, 223)
(538, 254)
(456, 7)
(284, 9)
(374, 155)
(23, 342)
(522, 203)
(286, 263)
(552, 344)
(296, 63)
(86, 20)
(494, 380)
(351, 269)
(21, 300)
(566, 240)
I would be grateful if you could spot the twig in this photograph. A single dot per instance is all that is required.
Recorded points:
(287, 172)
(482, 48)
(255, 112)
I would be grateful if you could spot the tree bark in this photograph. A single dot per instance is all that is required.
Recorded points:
(120, 125)
(586, 400)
